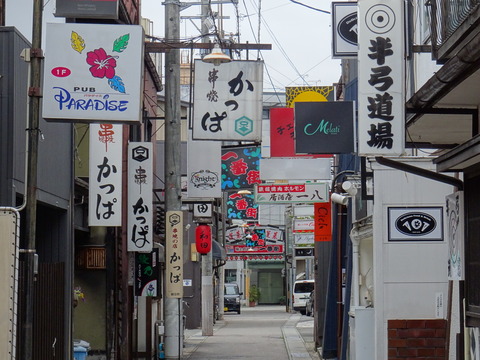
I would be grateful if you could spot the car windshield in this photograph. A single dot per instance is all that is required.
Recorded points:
(306, 287)
(231, 290)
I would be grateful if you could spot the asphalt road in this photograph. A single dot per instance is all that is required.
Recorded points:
(260, 333)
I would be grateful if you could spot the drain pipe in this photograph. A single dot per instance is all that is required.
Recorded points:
(361, 229)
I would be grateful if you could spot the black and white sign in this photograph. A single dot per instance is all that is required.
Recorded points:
(381, 78)
(415, 224)
(345, 30)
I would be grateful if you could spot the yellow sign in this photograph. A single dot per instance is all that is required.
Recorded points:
(308, 94)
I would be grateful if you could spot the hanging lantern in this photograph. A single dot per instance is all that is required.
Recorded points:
(203, 239)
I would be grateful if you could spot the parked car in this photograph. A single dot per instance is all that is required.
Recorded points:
(301, 291)
(232, 297)
(309, 304)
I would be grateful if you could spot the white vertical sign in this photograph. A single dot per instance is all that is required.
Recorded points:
(381, 78)
(140, 197)
(228, 101)
(105, 173)
(454, 216)
(204, 169)
(174, 254)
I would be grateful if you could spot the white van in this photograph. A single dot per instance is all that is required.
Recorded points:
(301, 292)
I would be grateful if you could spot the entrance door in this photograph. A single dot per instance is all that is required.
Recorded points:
(271, 287)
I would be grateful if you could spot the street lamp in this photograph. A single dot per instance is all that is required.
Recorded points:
(217, 56)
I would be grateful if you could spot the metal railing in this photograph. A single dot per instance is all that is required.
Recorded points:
(446, 17)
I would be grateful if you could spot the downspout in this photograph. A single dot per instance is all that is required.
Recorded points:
(360, 230)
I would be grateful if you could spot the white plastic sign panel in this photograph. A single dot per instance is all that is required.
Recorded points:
(204, 169)
(140, 197)
(295, 169)
(228, 101)
(415, 224)
(381, 78)
(291, 193)
(93, 73)
(105, 174)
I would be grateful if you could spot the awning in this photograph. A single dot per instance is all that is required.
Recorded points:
(218, 251)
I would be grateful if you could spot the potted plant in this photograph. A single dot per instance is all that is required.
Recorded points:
(253, 295)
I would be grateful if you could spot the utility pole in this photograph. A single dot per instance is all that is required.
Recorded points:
(207, 279)
(34, 92)
(173, 195)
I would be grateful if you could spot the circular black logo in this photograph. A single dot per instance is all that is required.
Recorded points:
(347, 28)
(416, 224)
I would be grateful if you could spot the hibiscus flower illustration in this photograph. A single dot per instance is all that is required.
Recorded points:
(102, 65)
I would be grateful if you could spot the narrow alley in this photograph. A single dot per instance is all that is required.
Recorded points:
(261, 332)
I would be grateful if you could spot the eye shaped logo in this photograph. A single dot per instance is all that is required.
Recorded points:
(416, 224)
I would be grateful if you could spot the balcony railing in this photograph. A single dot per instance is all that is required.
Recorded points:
(448, 16)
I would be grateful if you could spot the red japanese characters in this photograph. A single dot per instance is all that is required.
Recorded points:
(203, 239)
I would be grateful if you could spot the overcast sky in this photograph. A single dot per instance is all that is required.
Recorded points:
(301, 37)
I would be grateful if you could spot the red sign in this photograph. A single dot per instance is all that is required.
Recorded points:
(323, 221)
(203, 239)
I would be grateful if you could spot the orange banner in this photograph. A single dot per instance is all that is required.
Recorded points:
(323, 221)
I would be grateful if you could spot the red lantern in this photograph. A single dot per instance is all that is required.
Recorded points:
(203, 239)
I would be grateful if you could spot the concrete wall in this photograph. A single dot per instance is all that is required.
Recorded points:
(407, 274)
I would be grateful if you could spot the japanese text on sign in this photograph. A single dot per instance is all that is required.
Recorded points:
(381, 78)
(174, 254)
(228, 101)
(140, 192)
(105, 175)
(307, 193)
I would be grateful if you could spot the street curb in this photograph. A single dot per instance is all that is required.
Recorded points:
(294, 343)
(195, 338)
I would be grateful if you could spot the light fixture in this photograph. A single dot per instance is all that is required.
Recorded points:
(244, 192)
(339, 199)
(217, 56)
(350, 188)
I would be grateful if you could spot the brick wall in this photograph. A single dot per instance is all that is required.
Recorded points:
(417, 339)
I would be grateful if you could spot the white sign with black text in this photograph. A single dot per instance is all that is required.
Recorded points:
(105, 174)
(381, 78)
(228, 101)
(140, 197)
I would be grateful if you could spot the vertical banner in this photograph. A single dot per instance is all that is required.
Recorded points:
(228, 101)
(323, 221)
(105, 174)
(204, 169)
(455, 235)
(140, 197)
(147, 274)
(381, 78)
(174, 255)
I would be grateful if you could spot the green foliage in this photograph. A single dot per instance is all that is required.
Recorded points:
(254, 293)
